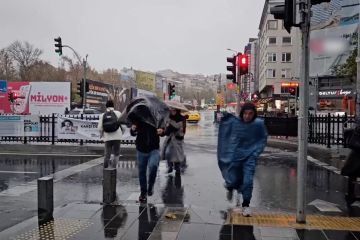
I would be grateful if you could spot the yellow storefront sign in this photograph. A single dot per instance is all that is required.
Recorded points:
(145, 81)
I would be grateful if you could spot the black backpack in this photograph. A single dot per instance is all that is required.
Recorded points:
(110, 122)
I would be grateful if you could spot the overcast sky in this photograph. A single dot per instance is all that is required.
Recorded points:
(188, 36)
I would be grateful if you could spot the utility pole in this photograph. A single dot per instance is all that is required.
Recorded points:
(84, 90)
(305, 11)
(358, 77)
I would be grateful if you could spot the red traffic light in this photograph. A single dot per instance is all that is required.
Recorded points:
(243, 63)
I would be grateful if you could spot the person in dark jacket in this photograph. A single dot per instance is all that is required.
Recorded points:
(351, 167)
(148, 155)
(173, 150)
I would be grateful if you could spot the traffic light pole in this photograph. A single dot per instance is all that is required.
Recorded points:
(358, 78)
(84, 89)
(305, 10)
(84, 63)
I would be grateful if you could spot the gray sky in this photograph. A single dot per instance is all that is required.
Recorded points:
(188, 36)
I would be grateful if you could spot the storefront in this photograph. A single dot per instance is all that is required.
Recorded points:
(340, 100)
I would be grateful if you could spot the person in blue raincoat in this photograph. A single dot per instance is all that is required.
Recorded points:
(240, 143)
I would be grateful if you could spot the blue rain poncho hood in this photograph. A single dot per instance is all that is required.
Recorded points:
(239, 141)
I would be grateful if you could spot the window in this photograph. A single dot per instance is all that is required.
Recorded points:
(286, 40)
(271, 73)
(285, 73)
(271, 57)
(272, 24)
(272, 41)
(286, 57)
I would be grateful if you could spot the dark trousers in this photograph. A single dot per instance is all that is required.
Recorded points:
(112, 147)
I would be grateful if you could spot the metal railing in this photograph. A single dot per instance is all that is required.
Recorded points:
(48, 132)
(325, 129)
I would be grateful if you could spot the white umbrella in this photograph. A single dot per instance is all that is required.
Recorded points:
(176, 105)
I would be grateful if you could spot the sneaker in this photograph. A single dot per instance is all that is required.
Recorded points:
(142, 198)
(246, 212)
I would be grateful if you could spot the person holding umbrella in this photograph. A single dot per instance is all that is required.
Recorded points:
(175, 131)
(147, 116)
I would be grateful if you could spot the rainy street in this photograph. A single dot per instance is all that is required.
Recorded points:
(78, 190)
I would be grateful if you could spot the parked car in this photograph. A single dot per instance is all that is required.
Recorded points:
(77, 111)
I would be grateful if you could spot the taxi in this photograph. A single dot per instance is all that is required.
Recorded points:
(193, 116)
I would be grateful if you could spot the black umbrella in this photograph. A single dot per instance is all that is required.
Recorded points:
(148, 109)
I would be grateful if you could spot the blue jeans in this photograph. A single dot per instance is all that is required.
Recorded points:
(147, 161)
(240, 176)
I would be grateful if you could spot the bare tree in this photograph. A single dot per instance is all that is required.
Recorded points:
(25, 55)
(7, 69)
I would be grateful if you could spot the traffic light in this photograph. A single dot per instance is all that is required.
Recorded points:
(287, 13)
(171, 89)
(58, 45)
(231, 68)
(80, 88)
(314, 2)
(243, 64)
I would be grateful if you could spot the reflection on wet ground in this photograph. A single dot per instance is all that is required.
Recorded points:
(15, 170)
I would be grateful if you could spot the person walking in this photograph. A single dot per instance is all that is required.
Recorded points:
(351, 167)
(148, 155)
(173, 150)
(111, 132)
(240, 143)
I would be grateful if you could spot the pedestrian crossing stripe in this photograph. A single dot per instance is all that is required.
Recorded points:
(316, 222)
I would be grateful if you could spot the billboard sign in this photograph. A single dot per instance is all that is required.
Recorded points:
(36, 98)
(333, 35)
(49, 97)
(145, 81)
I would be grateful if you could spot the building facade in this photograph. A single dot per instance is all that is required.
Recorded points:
(279, 59)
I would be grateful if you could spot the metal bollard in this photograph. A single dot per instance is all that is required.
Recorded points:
(45, 199)
(109, 185)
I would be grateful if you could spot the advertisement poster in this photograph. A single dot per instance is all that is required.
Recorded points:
(11, 126)
(21, 104)
(333, 35)
(31, 126)
(36, 98)
(70, 128)
(98, 94)
(49, 97)
(145, 81)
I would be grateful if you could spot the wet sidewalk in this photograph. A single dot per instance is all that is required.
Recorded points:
(155, 222)
(168, 215)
